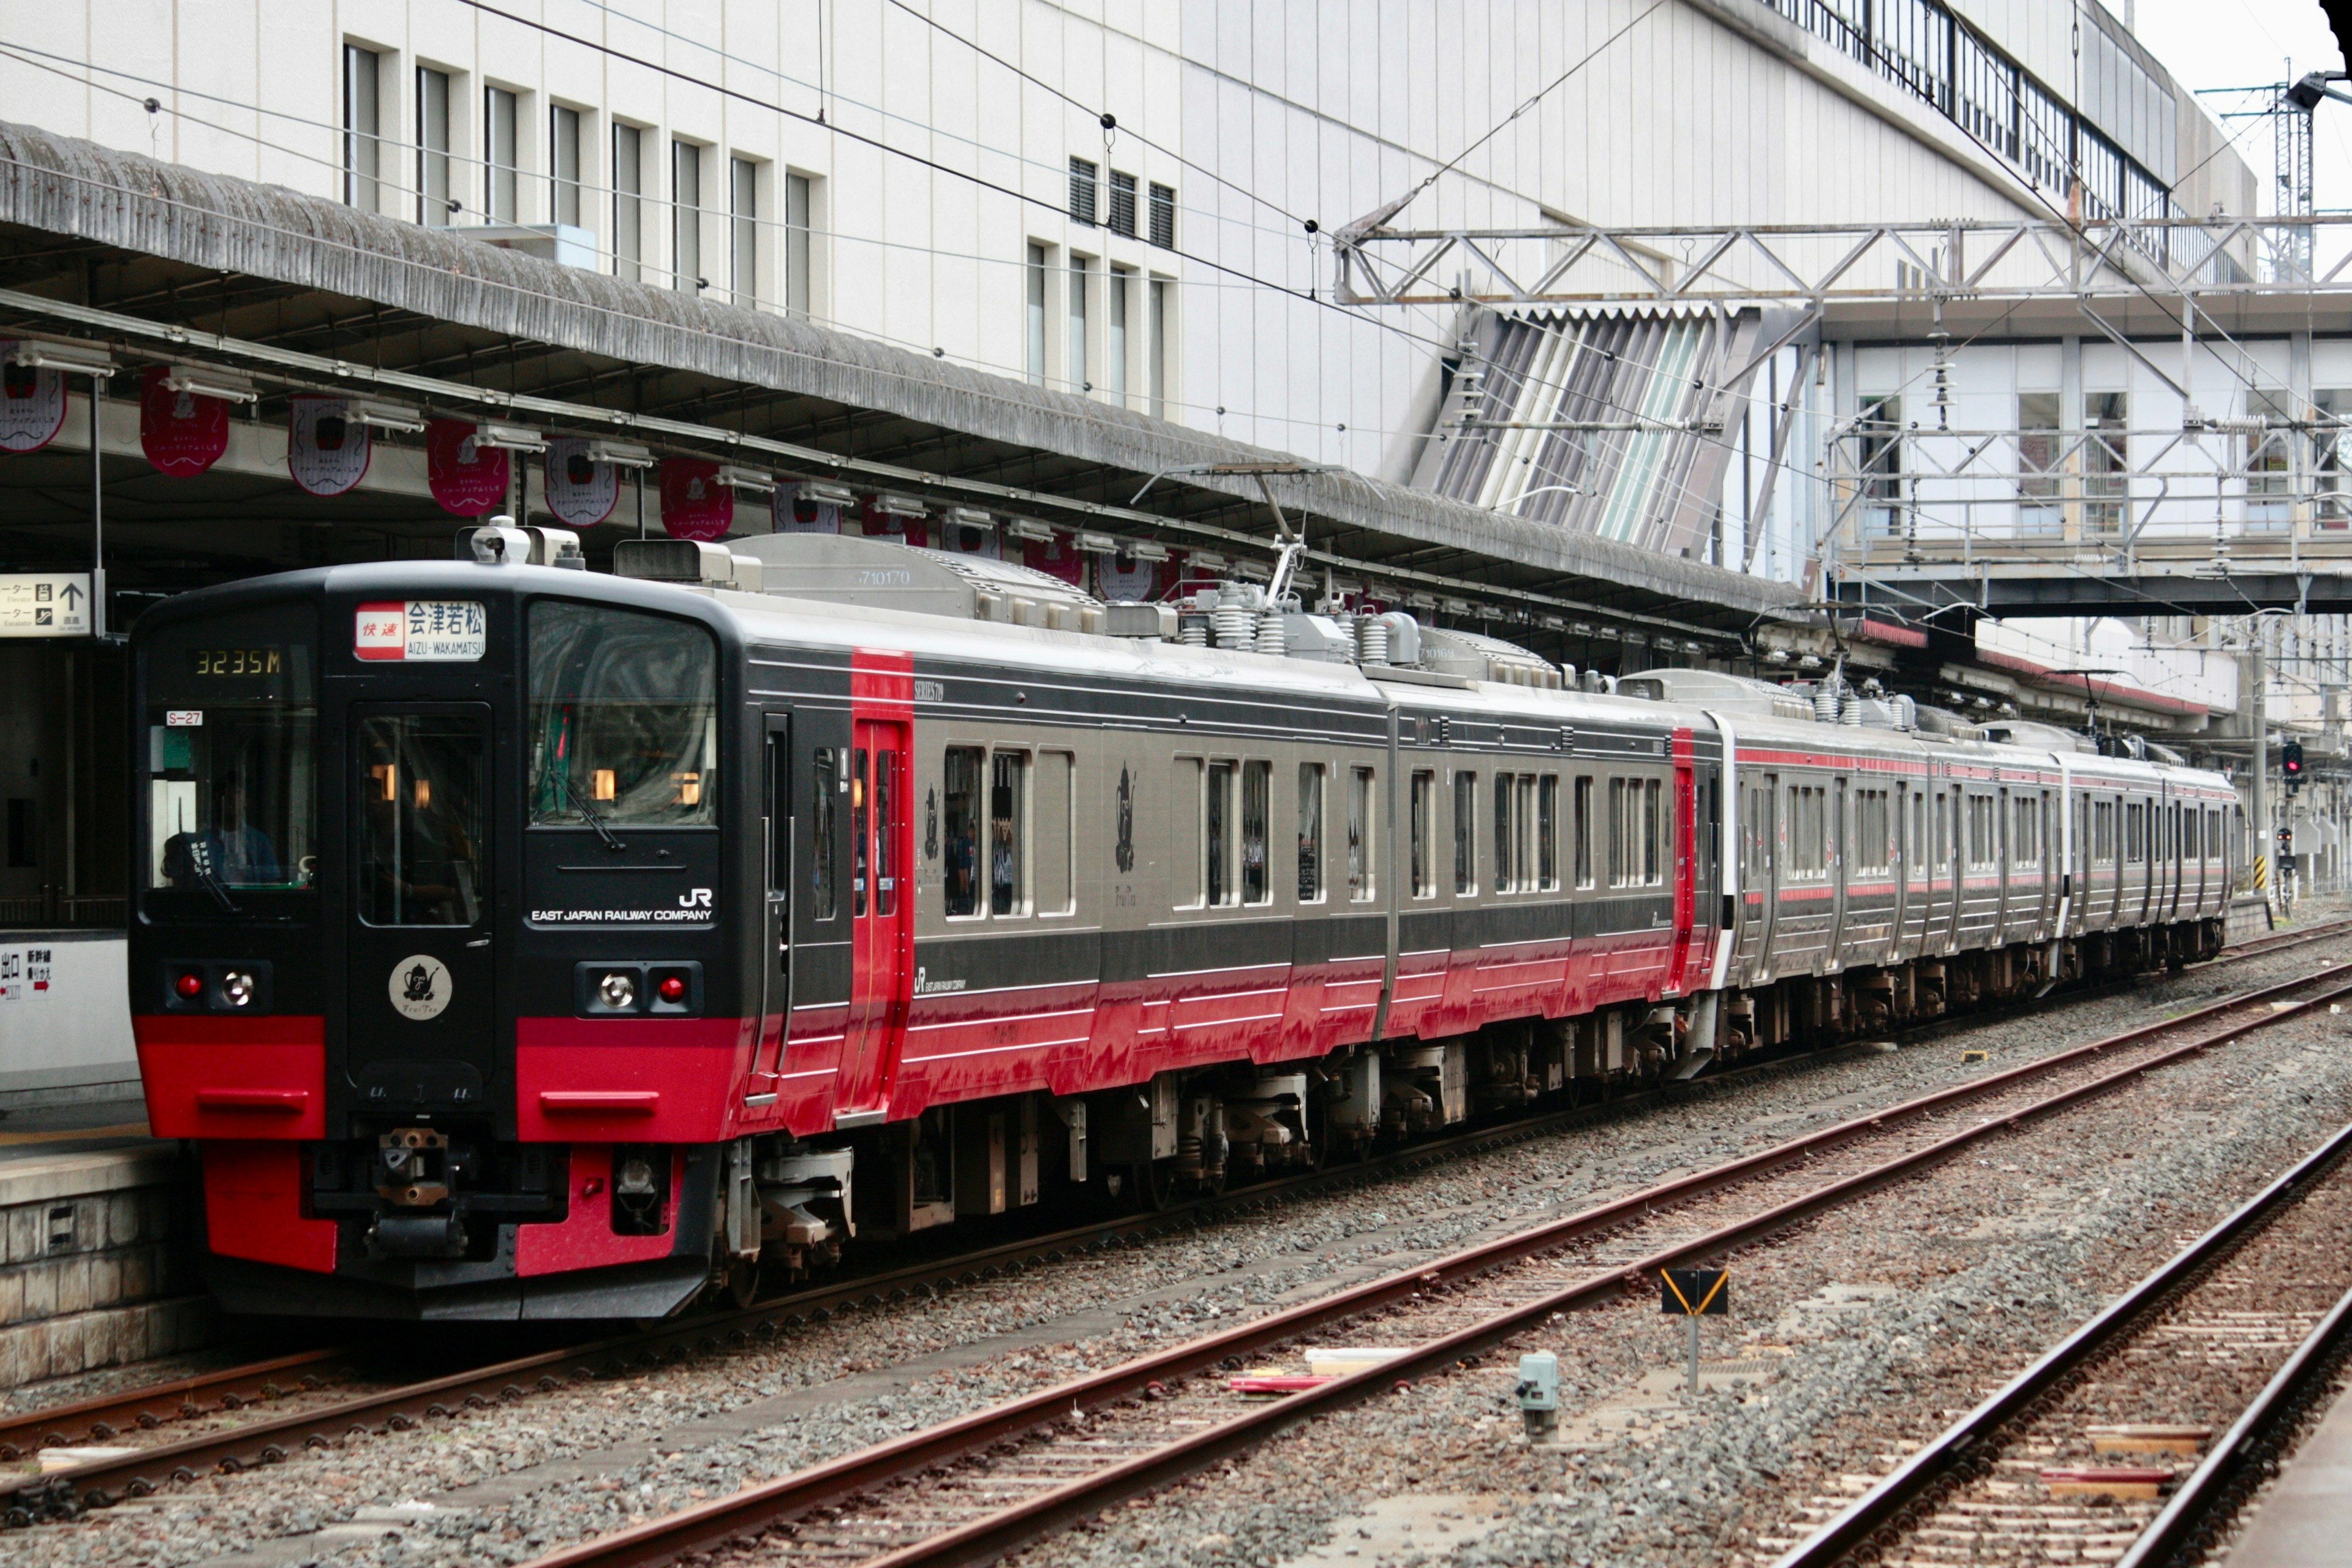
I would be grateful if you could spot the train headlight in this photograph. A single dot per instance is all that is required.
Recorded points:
(617, 991)
(237, 988)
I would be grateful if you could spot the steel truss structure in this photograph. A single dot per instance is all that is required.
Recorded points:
(1817, 265)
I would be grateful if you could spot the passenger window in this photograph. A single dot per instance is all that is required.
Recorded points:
(1008, 782)
(1524, 820)
(1360, 816)
(960, 784)
(1257, 788)
(1219, 819)
(824, 783)
(1424, 806)
(1056, 778)
(1465, 833)
(858, 835)
(1506, 866)
(1185, 799)
(1547, 833)
(1581, 808)
(886, 806)
(1653, 833)
(1310, 833)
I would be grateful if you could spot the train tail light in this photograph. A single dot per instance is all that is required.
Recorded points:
(190, 985)
(673, 988)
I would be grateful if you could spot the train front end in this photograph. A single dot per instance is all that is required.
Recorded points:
(429, 955)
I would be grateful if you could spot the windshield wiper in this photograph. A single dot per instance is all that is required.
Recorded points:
(200, 857)
(588, 814)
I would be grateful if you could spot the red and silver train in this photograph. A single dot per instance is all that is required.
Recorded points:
(519, 941)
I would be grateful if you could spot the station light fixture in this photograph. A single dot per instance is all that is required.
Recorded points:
(377, 415)
(892, 505)
(58, 353)
(509, 437)
(1207, 560)
(1029, 528)
(620, 454)
(204, 381)
(969, 517)
(1145, 550)
(736, 477)
(825, 492)
(1097, 543)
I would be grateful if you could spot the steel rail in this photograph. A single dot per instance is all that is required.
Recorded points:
(2272, 1411)
(151, 1404)
(98, 1482)
(1866, 1520)
(705, 1526)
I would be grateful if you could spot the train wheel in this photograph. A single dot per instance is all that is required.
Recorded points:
(743, 1280)
(1155, 1183)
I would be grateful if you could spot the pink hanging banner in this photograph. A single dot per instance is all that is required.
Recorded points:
(467, 480)
(1055, 557)
(915, 530)
(183, 433)
(580, 493)
(694, 504)
(327, 450)
(32, 405)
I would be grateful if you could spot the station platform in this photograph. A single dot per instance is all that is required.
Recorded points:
(2301, 1522)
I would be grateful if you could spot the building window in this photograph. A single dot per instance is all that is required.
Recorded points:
(1881, 463)
(362, 140)
(1115, 346)
(2038, 463)
(499, 177)
(433, 201)
(1159, 328)
(2105, 461)
(686, 238)
(1082, 191)
(563, 166)
(797, 234)
(1079, 379)
(1163, 215)
(1037, 264)
(743, 229)
(628, 201)
(1122, 204)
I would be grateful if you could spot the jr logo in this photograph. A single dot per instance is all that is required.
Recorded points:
(695, 899)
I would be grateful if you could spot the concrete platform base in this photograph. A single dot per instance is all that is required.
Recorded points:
(97, 1263)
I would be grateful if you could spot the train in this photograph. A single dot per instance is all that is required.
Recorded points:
(519, 941)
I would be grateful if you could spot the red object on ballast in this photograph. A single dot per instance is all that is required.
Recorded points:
(673, 989)
(189, 985)
(1274, 1384)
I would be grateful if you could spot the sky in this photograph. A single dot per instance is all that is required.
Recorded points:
(2242, 42)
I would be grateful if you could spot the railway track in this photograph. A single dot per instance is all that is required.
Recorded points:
(265, 1439)
(2073, 1459)
(975, 1487)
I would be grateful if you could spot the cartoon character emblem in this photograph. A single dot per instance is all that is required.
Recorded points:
(1125, 853)
(419, 988)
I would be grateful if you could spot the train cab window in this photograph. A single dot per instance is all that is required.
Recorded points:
(1547, 833)
(959, 789)
(423, 858)
(623, 718)
(1465, 833)
(1361, 815)
(1217, 820)
(1053, 823)
(1424, 806)
(1257, 789)
(1008, 781)
(824, 788)
(1310, 833)
(232, 762)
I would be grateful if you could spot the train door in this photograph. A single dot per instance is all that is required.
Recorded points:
(421, 966)
(882, 916)
(776, 934)
(1765, 815)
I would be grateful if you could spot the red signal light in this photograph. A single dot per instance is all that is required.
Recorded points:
(673, 989)
(190, 986)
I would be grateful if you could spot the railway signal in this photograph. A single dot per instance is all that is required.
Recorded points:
(2291, 764)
